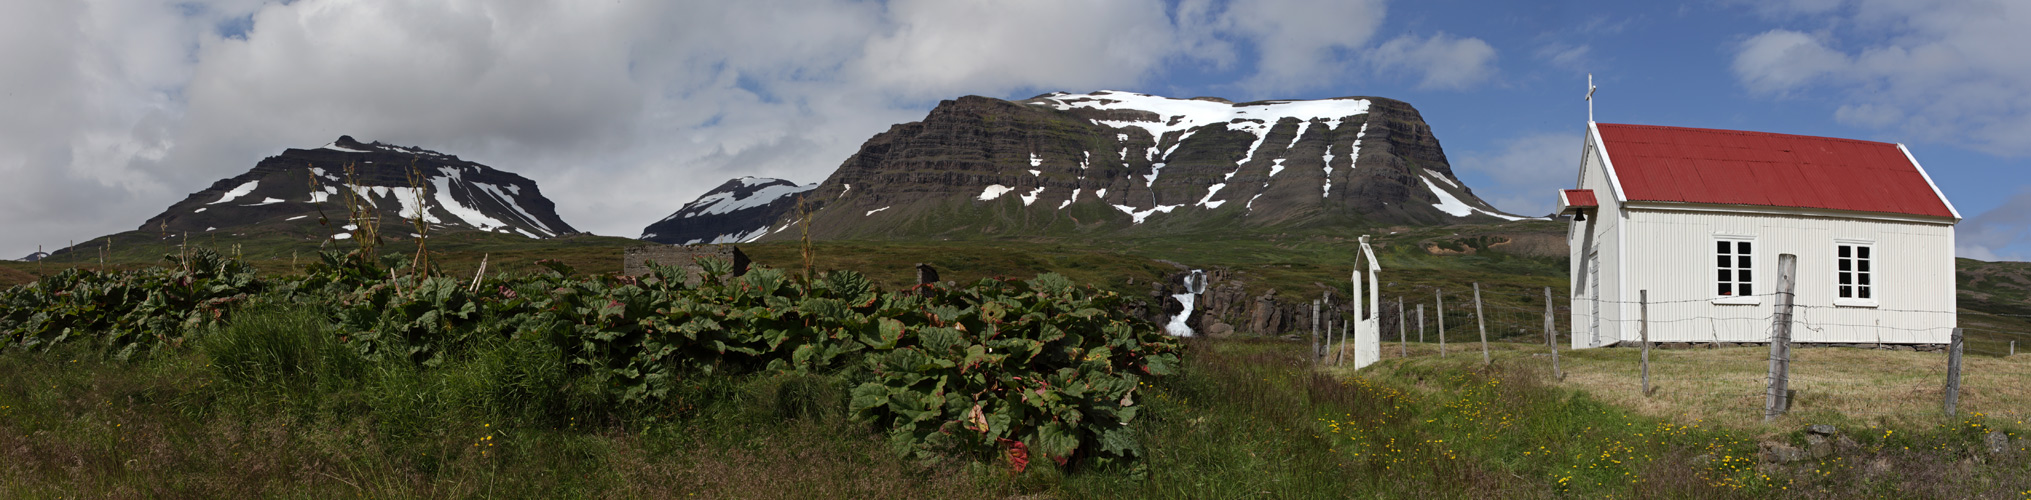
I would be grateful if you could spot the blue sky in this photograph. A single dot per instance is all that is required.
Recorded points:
(625, 110)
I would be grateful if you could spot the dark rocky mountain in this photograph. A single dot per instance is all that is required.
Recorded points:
(740, 210)
(1118, 161)
(34, 256)
(292, 191)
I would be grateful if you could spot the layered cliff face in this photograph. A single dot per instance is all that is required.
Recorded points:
(1117, 161)
(291, 192)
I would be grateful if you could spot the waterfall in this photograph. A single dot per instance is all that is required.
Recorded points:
(1177, 326)
(1195, 284)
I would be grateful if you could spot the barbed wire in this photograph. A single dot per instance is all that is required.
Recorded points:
(1824, 382)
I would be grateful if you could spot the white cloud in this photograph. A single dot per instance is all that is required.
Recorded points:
(1303, 43)
(1440, 61)
(1998, 234)
(946, 47)
(1936, 70)
(1781, 60)
(621, 110)
(1778, 9)
(1569, 57)
(1527, 171)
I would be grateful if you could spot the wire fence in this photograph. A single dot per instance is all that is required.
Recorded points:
(1715, 357)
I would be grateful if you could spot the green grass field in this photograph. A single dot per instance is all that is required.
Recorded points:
(1247, 418)
(257, 409)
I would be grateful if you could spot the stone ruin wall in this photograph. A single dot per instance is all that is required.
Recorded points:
(634, 261)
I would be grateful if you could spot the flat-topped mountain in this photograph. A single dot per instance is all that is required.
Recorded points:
(1124, 162)
(294, 190)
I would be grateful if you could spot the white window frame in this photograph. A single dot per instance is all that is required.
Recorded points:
(1834, 284)
(1755, 269)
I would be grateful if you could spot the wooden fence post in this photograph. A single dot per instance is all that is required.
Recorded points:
(1551, 339)
(1335, 355)
(1441, 307)
(1402, 342)
(1344, 326)
(1643, 325)
(1777, 399)
(1420, 323)
(1332, 356)
(1325, 337)
(1953, 372)
(1482, 323)
(1315, 332)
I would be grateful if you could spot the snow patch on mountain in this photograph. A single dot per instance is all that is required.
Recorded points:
(237, 192)
(1441, 177)
(414, 203)
(472, 216)
(496, 192)
(1208, 200)
(1154, 169)
(740, 237)
(1032, 197)
(1186, 114)
(994, 191)
(1139, 215)
(1302, 128)
(724, 202)
(1447, 202)
(405, 150)
(1352, 157)
(1452, 205)
(1261, 132)
(335, 147)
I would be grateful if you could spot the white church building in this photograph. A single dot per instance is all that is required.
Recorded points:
(1696, 219)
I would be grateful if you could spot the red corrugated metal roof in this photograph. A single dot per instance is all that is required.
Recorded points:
(1730, 167)
(1578, 198)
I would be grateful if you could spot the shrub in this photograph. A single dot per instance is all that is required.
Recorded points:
(1039, 365)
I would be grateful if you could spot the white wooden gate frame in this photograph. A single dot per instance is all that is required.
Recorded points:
(1367, 331)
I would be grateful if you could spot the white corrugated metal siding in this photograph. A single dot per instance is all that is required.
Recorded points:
(1605, 271)
(1671, 254)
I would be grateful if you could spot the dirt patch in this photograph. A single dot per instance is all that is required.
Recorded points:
(1532, 245)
